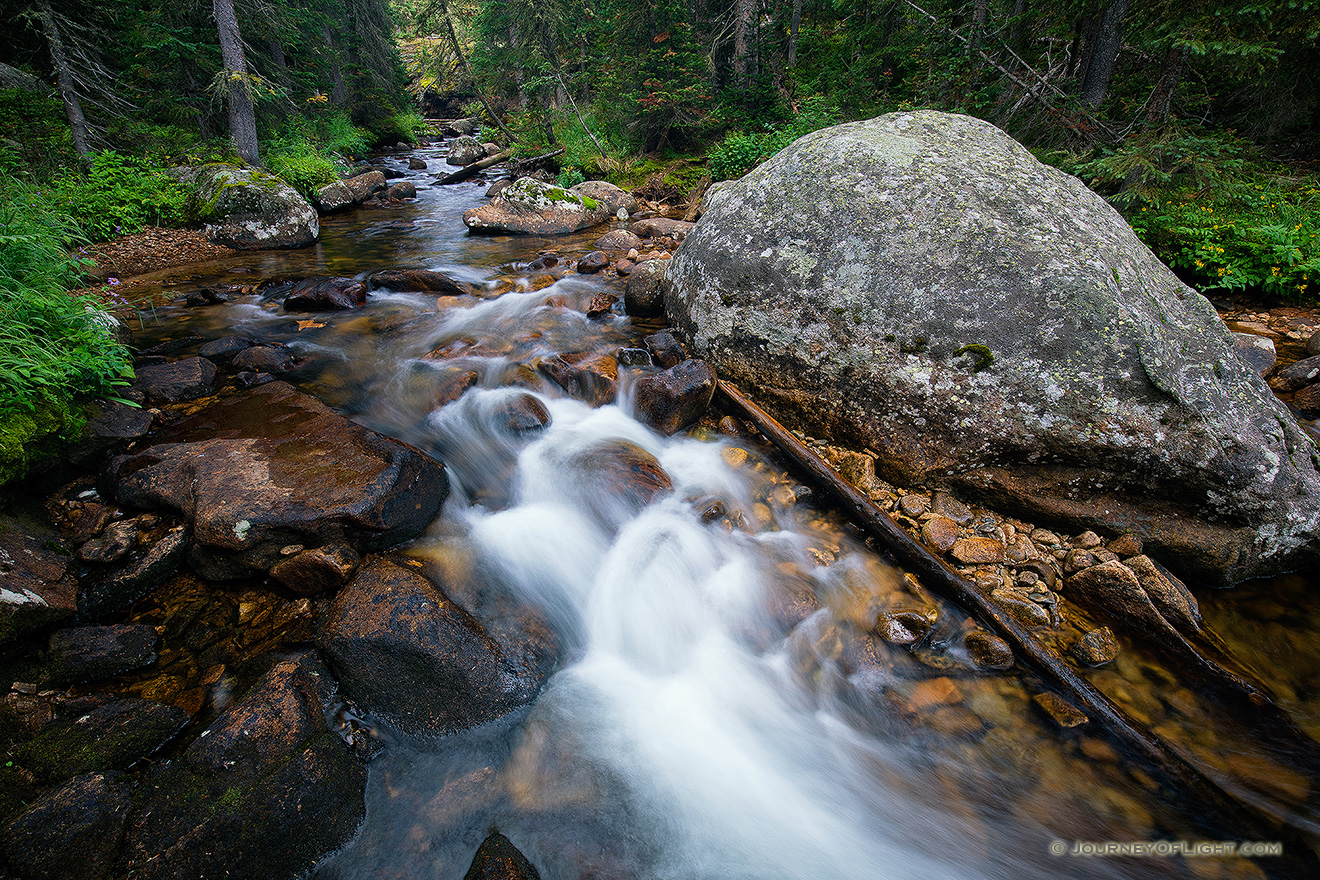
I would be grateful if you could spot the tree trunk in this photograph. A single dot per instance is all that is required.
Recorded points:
(1018, 31)
(793, 33)
(980, 18)
(281, 65)
(518, 76)
(1103, 53)
(242, 116)
(1161, 99)
(742, 30)
(64, 77)
(338, 89)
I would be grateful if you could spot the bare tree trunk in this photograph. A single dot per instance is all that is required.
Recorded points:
(518, 75)
(242, 115)
(793, 33)
(1018, 31)
(281, 65)
(1103, 53)
(980, 18)
(64, 77)
(1161, 99)
(338, 89)
(742, 29)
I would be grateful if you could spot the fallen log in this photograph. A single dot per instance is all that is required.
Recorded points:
(467, 171)
(1200, 794)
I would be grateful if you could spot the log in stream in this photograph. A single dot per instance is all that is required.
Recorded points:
(1205, 799)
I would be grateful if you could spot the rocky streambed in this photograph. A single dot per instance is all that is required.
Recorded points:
(613, 634)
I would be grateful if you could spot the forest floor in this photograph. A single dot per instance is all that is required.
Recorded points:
(149, 250)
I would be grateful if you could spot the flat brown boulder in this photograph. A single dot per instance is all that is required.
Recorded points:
(404, 651)
(325, 294)
(71, 832)
(275, 467)
(671, 400)
(37, 587)
(655, 227)
(364, 186)
(187, 379)
(586, 376)
(264, 793)
(618, 240)
(425, 280)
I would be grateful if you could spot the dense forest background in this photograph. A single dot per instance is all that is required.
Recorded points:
(1198, 119)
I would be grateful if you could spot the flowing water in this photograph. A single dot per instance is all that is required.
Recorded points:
(722, 710)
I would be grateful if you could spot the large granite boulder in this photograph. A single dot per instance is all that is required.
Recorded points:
(248, 210)
(273, 468)
(919, 284)
(465, 150)
(531, 207)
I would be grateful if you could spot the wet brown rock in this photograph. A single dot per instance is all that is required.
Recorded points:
(1297, 375)
(946, 505)
(601, 304)
(404, 189)
(275, 467)
(593, 262)
(656, 227)
(403, 650)
(318, 570)
(1113, 589)
(618, 479)
(266, 791)
(587, 376)
(1059, 710)
(325, 294)
(1087, 541)
(521, 413)
(933, 692)
(633, 357)
(416, 163)
(498, 859)
(1078, 559)
(1169, 595)
(422, 280)
(618, 240)
(624, 267)
(1307, 401)
(1125, 545)
(903, 627)
(187, 379)
(978, 550)
(671, 400)
(1027, 612)
(939, 532)
(88, 653)
(364, 186)
(665, 349)
(264, 359)
(117, 539)
(1257, 351)
(222, 350)
(71, 832)
(102, 594)
(641, 295)
(1097, 647)
(452, 386)
(110, 737)
(914, 505)
(988, 651)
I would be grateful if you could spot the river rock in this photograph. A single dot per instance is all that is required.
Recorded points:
(1097, 647)
(247, 209)
(113, 736)
(498, 859)
(71, 832)
(424, 280)
(264, 359)
(618, 240)
(333, 197)
(404, 651)
(593, 262)
(665, 349)
(920, 285)
(1313, 344)
(404, 189)
(1297, 375)
(655, 227)
(276, 467)
(610, 197)
(88, 653)
(325, 294)
(988, 651)
(530, 206)
(977, 550)
(519, 414)
(642, 296)
(105, 593)
(1307, 401)
(37, 588)
(465, 150)
(1257, 351)
(222, 350)
(318, 570)
(590, 377)
(264, 793)
(116, 540)
(111, 425)
(187, 379)
(416, 163)
(364, 186)
(672, 399)
(939, 532)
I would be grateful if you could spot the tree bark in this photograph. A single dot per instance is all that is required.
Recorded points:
(742, 29)
(281, 63)
(793, 25)
(242, 115)
(1103, 53)
(338, 89)
(1161, 99)
(64, 77)
(980, 18)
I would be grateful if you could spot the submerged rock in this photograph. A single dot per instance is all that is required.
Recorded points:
(920, 285)
(325, 294)
(275, 467)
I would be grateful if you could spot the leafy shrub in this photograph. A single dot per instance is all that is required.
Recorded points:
(302, 165)
(570, 177)
(740, 152)
(404, 126)
(337, 134)
(53, 345)
(119, 195)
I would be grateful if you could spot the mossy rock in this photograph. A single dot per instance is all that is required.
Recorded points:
(31, 440)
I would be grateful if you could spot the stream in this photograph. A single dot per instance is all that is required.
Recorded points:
(722, 710)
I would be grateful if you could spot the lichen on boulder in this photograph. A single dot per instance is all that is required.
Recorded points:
(247, 209)
(920, 285)
(530, 206)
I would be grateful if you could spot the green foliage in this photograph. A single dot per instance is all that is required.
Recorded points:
(338, 134)
(54, 346)
(119, 195)
(401, 127)
(571, 177)
(34, 136)
(740, 152)
(302, 165)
